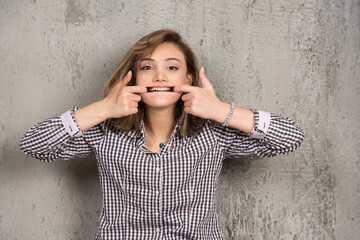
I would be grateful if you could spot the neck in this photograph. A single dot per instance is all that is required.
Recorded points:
(161, 122)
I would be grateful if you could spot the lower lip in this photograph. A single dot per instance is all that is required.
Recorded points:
(161, 92)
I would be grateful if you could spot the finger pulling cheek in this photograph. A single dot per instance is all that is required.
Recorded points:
(185, 97)
(187, 104)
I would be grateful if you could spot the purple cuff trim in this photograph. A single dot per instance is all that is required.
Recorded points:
(264, 121)
(70, 125)
(262, 127)
(254, 134)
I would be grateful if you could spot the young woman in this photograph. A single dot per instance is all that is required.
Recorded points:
(160, 140)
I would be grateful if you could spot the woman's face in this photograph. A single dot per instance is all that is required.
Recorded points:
(160, 72)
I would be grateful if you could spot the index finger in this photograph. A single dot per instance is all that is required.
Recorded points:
(136, 89)
(184, 88)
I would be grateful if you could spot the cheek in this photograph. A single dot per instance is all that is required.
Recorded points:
(140, 79)
(181, 78)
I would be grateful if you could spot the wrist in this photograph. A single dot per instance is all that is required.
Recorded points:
(221, 112)
(103, 111)
(89, 116)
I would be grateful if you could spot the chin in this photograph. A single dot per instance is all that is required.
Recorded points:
(160, 101)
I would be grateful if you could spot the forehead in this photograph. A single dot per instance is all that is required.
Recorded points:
(167, 50)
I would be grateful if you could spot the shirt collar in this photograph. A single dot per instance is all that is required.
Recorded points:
(139, 136)
(176, 131)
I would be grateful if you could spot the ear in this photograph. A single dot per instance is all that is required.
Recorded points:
(189, 79)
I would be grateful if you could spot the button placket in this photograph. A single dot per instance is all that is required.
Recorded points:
(158, 189)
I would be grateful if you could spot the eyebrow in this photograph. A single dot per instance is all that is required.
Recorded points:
(152, 60)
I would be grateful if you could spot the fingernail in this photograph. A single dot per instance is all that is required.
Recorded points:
(128, 73)
(203, 70)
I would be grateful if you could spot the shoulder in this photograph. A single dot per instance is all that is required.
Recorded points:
(215, 131)
(219, 129)
(225, 135)
(110, 131)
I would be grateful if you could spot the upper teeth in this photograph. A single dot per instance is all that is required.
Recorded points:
(152, 89)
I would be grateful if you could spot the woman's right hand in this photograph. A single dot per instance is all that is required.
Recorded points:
(122, 100)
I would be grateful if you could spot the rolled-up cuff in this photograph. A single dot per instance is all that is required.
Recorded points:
(70, 124)
(262, 124)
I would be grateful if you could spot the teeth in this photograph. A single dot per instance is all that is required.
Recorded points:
(153, 89)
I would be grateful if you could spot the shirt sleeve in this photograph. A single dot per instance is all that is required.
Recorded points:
(60, 137)
(271, 136)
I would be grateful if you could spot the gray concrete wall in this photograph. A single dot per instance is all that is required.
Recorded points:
(299, 58)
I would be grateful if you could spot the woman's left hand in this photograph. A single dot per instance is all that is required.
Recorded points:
(202, 102)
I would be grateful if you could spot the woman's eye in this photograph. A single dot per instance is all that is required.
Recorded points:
(146, 67)
(173, 68)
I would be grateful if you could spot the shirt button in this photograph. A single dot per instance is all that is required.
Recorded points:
(157, 229)
(157, 169)
(157, 192)
(157, 158)
(156, 214)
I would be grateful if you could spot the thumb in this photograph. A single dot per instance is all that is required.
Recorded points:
(126, 79)
(204, 81)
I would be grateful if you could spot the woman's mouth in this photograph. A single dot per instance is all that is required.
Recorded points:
(160, 89)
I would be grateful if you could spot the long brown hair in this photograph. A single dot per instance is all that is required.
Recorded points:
(189, 124)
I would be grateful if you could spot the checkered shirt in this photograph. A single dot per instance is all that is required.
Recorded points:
(166, 195)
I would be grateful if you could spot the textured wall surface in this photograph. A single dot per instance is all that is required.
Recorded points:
(300, 59)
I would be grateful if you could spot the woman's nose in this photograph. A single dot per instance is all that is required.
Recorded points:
(160, 76)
